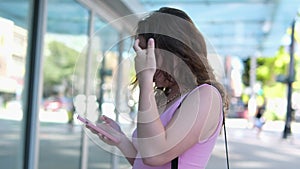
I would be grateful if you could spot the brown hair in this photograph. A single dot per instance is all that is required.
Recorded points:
(176, 35)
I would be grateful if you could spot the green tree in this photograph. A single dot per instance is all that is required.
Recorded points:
(268, 68)
(267, 71)
(58, 66)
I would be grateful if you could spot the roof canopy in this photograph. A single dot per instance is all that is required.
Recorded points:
(235, 27)
(238, 27)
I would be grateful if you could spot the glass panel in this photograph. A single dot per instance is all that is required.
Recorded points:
(103, 71)
(13, 49)
(66, 36)
(103, 79)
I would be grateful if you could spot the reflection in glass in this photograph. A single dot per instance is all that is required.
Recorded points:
(13, 48)
(60, 133)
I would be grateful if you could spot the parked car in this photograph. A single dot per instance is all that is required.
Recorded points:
(52, 104)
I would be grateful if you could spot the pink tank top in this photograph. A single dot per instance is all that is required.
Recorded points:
(194, 158)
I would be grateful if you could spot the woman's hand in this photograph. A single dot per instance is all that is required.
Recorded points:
(111, 127)
(145, 62)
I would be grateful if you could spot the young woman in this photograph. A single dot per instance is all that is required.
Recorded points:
(181, 104)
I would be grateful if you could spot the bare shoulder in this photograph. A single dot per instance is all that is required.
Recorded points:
(204, 99)
(204, 104)
(207, 92)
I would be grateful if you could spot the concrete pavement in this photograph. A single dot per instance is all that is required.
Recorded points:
(60, 147)
(248, 151)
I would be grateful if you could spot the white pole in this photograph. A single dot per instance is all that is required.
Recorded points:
(115, 159)
(84, 138)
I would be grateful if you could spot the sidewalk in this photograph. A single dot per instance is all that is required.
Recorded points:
(247, 151)
(60, 147)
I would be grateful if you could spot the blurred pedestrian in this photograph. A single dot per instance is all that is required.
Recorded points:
(259, 120)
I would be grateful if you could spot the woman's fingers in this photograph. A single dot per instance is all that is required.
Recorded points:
(145, 59)
(136, 46)
(106, 119)
(150, 48)
(91, 129)
(150, 53)
(105, 139)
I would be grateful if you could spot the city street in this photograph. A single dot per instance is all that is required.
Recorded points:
(60, 147)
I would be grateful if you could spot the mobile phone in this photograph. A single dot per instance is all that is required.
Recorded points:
(98, 129)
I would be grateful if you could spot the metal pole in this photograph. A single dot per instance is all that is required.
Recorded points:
(32, 88)
(84, 138)
(290, 80)
(102, 78)
(115, 159)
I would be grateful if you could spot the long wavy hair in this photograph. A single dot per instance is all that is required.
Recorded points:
(176, 36)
